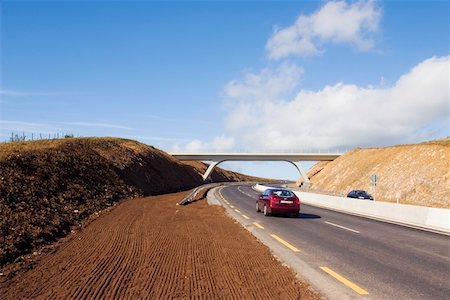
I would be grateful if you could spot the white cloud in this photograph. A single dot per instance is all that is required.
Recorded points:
(101, 125)
(269, 85)
(195, 146)
(336, 22)
(339, 115)
(52, 127)
(19, 126)
(218, 144)
(222, 143)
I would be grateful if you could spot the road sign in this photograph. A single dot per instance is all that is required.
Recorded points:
(373, 178)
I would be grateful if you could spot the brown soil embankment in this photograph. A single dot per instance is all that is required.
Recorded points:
(150, 248)
(49, 187)
(412, 174)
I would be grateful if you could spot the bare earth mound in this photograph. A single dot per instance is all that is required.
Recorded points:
(151, 248)
(49, 187)
(413, 174)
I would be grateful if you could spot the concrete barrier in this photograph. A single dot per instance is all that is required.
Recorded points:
(420, 216)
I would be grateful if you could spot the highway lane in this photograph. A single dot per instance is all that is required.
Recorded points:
(386, 260)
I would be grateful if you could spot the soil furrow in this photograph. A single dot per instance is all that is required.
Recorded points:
(129, 260)
(122, 281)
(108, 245)
(116, 258)
(151, 248)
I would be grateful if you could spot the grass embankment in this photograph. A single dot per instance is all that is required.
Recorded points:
(49, 187)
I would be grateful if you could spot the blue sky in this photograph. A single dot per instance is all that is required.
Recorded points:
(228, 76)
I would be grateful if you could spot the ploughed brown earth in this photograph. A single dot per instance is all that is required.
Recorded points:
(50, 187)
(417, 174)
(152, 248)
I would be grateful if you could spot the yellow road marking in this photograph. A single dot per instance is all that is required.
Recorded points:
(245, 217)
(231, 206)
(345, 281)
(237, 210)
(285, 243)
(257, 225)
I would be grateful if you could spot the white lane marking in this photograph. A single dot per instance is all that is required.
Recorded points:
(343, 227)
(220, 193)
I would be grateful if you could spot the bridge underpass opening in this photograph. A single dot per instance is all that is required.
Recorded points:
(293, 158)
(282, 170)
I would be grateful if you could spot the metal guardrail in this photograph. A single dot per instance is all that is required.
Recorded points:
(197, 190)
(208, 186)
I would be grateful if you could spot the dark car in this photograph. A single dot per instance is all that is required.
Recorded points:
(278, 201)
(360, 194)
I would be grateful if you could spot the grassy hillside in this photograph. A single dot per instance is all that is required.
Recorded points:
(413, 174)
(47, 187)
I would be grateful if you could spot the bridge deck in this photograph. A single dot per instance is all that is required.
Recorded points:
(257, 156)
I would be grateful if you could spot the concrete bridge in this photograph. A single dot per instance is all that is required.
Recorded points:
(293, 158)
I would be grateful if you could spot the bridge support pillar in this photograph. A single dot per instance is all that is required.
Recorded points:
(303, 175)
(210, 169)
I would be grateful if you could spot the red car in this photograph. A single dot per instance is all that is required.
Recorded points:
(278, 201)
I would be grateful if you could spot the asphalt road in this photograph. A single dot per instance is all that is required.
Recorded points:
(384, 260)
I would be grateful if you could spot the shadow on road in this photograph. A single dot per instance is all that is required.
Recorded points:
(309, 216)
(301, 216)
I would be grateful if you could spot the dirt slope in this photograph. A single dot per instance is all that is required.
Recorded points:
(48, 187)
(150, 248)
(414, 174)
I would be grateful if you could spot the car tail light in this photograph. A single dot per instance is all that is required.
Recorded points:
(274, 199)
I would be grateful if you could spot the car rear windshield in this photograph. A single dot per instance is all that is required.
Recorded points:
(283, 193)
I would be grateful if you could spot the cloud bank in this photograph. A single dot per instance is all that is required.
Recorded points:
(266, 110)
(335, 22)
(263, 113)
(339, 115)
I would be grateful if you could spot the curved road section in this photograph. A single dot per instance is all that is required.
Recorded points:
(346, 256)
